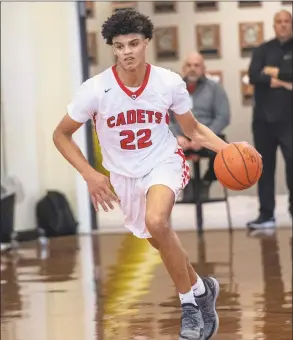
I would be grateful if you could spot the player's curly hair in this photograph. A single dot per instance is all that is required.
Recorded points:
(126, 22)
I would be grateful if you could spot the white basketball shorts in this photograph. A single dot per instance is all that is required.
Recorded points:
(172, 172)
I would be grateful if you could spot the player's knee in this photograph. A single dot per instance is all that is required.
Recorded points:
(157, 225)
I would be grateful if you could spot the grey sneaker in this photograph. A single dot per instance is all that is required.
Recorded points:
(207, 305)
(192, 326)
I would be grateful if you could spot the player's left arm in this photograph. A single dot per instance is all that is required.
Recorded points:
(188, 123)
(199, 132)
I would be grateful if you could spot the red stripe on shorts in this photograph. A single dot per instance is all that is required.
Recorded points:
(185, 168)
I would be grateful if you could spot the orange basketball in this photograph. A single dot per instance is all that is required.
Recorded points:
(238, 166)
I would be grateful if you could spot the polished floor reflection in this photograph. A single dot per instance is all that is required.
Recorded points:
(114, 287)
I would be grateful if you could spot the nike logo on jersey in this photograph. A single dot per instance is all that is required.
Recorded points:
(107, 90)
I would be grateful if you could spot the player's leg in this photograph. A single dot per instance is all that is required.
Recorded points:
(159, 204)
(193, 277)
(206, 291)
(174, 176)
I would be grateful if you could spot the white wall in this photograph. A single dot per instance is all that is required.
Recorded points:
(231, 63)
(18, 82)
(52, 55)
(40, 72)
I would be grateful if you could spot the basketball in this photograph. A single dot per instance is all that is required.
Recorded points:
(238, 166)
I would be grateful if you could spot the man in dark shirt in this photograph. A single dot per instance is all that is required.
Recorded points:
(270, 72)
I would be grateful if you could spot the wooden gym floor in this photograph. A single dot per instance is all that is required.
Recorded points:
(114, 287)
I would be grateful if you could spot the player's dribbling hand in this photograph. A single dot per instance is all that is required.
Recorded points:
(100, 190)
(244, 142)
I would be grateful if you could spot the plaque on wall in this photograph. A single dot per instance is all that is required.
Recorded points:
(216, 76)
(164, 6)
(249, 3)
(92, 48)
(90, 9)
(247, 89)
(166, 43)
(123, 5)
(208, 40)
(251, 35)
(206, 5)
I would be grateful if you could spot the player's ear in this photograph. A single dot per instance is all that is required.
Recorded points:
(146, 41)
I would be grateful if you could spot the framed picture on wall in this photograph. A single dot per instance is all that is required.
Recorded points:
(208, 40)
(92, 48)
(164, 6)
(90, 9)
(120, 5)
(287, 3)
(249, 3)
(166, 43)
(251, 35)
(247, 89)
(206, 5)
(216, 76)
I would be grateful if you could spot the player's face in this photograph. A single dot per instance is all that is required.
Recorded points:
(130, 50)
(283, 25)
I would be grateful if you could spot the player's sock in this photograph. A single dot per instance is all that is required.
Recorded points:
(198, 288)
(187, 298)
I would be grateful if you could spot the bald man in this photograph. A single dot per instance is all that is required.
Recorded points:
(210, 106)
(270, 72)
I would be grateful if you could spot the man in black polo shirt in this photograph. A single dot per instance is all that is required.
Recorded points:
(270, 72)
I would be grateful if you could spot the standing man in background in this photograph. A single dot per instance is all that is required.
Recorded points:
(270, 72)
(210, 106)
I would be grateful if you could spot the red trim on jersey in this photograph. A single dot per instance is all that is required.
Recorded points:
(137, 93)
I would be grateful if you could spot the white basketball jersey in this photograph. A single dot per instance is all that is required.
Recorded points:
(132, 124)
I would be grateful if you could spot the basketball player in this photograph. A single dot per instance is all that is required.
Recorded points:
(129, 105)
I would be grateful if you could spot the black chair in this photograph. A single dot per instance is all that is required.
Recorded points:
(192, 155)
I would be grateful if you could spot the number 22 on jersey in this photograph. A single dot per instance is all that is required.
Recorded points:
(143, 137)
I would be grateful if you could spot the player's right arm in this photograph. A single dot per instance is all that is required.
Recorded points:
(79, 111)
(64, 142)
